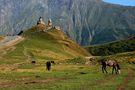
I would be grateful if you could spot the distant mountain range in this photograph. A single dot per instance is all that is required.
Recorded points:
(85, 21)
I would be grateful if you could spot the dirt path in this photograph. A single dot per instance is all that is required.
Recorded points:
(127, 79)
(10, 41)
(10, 67)
(106, 78)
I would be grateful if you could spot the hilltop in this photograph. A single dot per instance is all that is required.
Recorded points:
(37, 44)
(121, 46)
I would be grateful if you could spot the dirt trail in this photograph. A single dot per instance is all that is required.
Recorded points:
(5, 83)
(10, 41)
(127, 79)
(9, 67)
(98, 82)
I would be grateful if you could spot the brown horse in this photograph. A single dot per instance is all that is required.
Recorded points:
(111, 63)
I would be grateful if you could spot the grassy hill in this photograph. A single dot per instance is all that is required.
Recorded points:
(111, 48)
(18, 73)
(37, 44)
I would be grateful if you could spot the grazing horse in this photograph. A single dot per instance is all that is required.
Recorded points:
(48, 65)
(112, 63)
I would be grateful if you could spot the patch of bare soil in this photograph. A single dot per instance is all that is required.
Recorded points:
(8, 44)
(9, 67)
(127, 79)
(5, 83)
(6, 67)
(106, 78)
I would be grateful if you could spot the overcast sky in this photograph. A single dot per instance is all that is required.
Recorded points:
(122, 2)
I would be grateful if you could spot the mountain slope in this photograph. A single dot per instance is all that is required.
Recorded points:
(1, 38)
(121, 46)
(45, 45)
(85, 21)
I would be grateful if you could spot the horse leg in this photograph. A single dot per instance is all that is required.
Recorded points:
(46, 67)
(105, 69)
(113, 69)
(49, 68)
(102, 68)
(116, 70)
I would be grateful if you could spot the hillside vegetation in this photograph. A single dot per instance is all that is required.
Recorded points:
(37, 44)
(121, 46)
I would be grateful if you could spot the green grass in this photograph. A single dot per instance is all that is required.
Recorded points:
(78, 60)
(65, 76)
(112, 48)
(72, 77)
(52, 45)
(69, 73)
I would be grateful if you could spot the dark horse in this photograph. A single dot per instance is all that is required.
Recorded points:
(112, 63)
(48, 65)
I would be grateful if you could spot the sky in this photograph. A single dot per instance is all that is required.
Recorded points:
(122, 2)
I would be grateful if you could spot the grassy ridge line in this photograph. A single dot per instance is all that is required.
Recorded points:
(39, 45)
(111, 48)
(57, 36)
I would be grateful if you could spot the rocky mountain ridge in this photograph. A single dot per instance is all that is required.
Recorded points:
(85, 21)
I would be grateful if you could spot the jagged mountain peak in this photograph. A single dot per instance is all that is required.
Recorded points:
(85, 21)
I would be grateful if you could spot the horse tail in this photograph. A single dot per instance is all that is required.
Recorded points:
(118, 68)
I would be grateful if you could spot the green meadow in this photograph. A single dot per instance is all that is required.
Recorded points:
(65, 76)
(71, 71)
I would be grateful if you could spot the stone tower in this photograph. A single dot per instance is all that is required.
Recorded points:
(40, 21)
(41, 24)
(49, 22)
